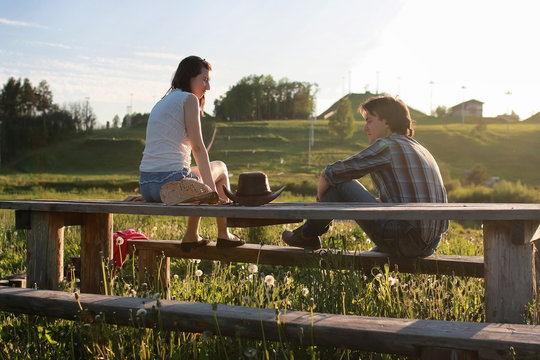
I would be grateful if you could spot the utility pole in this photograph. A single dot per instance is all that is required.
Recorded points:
(508, 94)
(431, 97)
(463, 104)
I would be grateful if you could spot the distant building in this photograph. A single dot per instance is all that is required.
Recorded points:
(513, 117)
(467, 108)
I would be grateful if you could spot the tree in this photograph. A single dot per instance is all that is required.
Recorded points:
(116, 121)
(341, 123)
(257, 97)
(441, 111)
(477, 176)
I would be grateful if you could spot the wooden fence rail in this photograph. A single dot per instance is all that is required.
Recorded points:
(424, 338)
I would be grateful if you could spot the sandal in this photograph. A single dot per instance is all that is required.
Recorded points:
(226, 243)
(188, 246)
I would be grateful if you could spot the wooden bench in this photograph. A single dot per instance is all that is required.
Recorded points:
(427, 339)
(150, 253)
(511, 270)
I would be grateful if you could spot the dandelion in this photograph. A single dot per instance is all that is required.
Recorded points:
(141, 312)
(87, 325)
(368, 240)
(156, 295)
(250, 277)
(175, 277)
(269, 280)
(246, 299)
(119, 241)
(198, 273)
(154, 228)
(252, 268)
(393, 281)
(305, 292)
(287, 280)
(250, 352)
(196, 261)
(133, 293)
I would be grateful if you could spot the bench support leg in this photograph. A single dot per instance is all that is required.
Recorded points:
(510, 269)
(45, 250)
(149, 262)
(96, 244)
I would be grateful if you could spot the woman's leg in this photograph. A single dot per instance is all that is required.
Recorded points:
(220, 175)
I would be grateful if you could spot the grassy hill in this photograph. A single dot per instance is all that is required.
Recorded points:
(280, 148)
(533, 119)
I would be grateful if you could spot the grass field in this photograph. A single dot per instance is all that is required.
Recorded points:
(104, 165)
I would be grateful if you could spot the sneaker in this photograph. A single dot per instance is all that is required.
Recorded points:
(187, 191)
(296, 238)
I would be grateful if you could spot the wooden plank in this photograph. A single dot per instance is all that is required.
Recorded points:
(332, 258)
(22, 220)
(96, 245)
(409, 211)
(45, 250)
(385, 335)
(151, 263)
(510, 277)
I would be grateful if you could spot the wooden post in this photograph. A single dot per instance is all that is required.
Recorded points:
(45, 250)
(148, 261)
(510, 274)
(96, 244)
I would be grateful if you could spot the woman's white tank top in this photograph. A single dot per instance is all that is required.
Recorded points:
(167, 146)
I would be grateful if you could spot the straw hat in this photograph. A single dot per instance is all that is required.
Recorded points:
(252, 190)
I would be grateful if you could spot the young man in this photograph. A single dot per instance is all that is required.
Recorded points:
(401, 170)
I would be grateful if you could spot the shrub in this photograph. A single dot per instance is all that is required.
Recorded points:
(507, 191)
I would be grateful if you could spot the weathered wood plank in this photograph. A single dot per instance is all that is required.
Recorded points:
(45, 250)
(96, 244)
(151, 263)
(409, 211)
(339, 259)
(398, 336)
(510, 275)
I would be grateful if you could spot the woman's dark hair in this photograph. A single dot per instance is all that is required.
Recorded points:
(393, 110)
(189, 68)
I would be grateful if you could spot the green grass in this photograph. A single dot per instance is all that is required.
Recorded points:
(105, 165)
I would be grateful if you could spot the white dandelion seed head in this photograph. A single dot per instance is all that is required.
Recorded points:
(252, 268)
(250, 277)
(305, 292)
(175, 277)
(119, 241)
(196, 261)
(198, 273)
(287, 280)
(141, 312)
(269, 280)
(250, 352)
(393, 281)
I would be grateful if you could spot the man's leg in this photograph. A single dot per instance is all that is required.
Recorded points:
(350, 191)
(307, 235)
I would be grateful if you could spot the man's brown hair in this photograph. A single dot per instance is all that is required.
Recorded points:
(393, 110)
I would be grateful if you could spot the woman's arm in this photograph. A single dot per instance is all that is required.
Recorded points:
(193, 130)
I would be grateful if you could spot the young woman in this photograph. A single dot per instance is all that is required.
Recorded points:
(172, 134)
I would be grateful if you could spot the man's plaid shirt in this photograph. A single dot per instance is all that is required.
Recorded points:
(402, 171)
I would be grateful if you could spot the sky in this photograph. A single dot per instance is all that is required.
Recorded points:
(121, 55)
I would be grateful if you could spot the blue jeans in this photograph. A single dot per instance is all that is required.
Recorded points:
(150, 183)
(396, 237)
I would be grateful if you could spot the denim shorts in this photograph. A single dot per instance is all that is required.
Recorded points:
(150, 183)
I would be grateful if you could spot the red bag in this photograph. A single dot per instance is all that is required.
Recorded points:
(120, 245)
